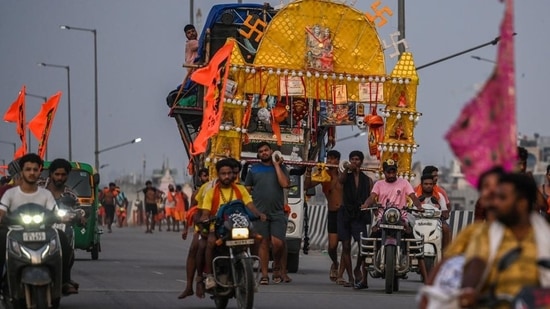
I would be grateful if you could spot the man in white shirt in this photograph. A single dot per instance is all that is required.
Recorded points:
(437, 199)
(26, 192)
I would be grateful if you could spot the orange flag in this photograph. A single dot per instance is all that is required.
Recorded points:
(41, 124)
(16, 113)
(213, 77)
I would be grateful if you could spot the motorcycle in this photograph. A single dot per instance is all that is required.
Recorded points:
(391, 256)
(69, 217)
(232, 265)
(32, 275)
(427, 226)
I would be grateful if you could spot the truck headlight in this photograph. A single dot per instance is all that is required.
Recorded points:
(239, 233)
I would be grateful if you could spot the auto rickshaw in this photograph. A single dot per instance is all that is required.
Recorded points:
(84, 182)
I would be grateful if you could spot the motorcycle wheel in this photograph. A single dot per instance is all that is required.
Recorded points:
(221, 302)
(389, 268)
(39, 297)
(244, 279)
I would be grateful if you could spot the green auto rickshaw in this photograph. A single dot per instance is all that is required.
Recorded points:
(84, 181)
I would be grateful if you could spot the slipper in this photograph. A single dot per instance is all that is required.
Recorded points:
(264, 281)
(286, 278)
(360, 285)
(343, 282)
(276, 277)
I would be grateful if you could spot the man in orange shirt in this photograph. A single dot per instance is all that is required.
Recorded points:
(182, 204)
(224, 191)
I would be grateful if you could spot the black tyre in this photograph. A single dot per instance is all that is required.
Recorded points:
(244, 280)
(389, 268)
(39, 297)
(95, 252)
(221, 302)
(429, 261)
(293, 262)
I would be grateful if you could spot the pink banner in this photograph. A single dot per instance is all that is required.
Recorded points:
(485, 133)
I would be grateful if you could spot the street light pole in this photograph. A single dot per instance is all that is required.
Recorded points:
(135, 140)
(43, 98)
(10, 143)
(68, 68)
(96, 121)
(401, 23)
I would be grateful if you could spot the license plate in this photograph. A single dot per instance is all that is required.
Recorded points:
(59, 226)
(34, 236)
(239, 242)
(392, 226)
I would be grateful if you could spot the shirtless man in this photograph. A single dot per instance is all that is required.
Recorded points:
(151, 195)
(107, 198)
(333, 191)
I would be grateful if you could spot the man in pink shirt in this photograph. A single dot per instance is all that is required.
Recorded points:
(392, 191)
(192, 44)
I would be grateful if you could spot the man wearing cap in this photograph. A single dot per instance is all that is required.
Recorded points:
(393, 191)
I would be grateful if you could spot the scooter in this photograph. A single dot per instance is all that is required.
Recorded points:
(427, 226)
(32, 276)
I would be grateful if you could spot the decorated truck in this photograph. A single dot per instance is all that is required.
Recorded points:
(291, 76)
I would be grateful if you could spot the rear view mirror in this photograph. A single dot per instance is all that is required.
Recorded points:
(96, 179)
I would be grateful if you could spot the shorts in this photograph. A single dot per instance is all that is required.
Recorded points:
(351, 227)
(275, 226)
(169, 211)
(151, 209)
(109, 212)
(332, 222)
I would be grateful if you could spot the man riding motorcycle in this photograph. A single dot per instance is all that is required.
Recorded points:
(28, 191)
(58, 173)
(393, 191)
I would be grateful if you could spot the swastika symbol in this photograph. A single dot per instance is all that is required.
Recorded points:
(395, 44)
(379, 14)
(253, 28)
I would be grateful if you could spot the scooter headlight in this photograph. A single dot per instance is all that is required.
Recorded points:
(38, 218)
(26, 219)
(392, 216)
(61, 213)
(239, 233)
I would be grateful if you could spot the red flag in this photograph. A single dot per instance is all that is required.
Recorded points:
(16, 113)
(41, 124)
(485, 135)
(213, 77)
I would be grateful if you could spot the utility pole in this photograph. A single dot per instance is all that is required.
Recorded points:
(401, 23)
(192, 12)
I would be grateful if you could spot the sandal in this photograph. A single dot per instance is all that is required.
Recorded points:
(264, 281)
(286, 278)
(343, 282)
(360, 285)
(277, 276)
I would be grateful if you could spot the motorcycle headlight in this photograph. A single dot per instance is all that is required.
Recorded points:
(38, 218)
(239, 233)
(26, 219)
(392, 216)
(61, 213)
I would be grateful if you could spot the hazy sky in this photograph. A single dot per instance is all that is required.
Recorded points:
(140, 52)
